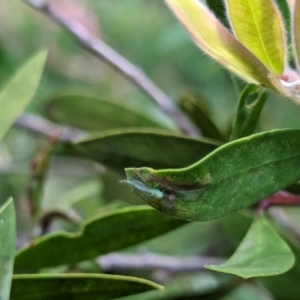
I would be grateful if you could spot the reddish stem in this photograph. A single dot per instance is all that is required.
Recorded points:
(281, 198)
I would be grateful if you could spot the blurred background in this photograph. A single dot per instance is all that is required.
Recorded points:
(147, 34)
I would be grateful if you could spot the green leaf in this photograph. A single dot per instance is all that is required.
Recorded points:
(113, 231)
(94, 114)
(215, 40)
(19, 91)
(77, 287)
(261, 253)
(192, 105)
(295, 11)
(250, 105)
(259, 26)
(229, 179)
(158, 149)
(7, 249)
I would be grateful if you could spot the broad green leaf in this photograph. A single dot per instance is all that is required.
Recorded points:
(158, 149)
(259, 26)
(110, 232)
(192, 105)
(78, 287)
(94, 114)
(7, 249)
(214, 39)
(19, 91)
(295, 10)
(250, 104)
(261, 253)
(231, 178)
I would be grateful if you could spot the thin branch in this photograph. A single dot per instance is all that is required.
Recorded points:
(119, 63)
(40, 125)
(149, 261)
(281, 198)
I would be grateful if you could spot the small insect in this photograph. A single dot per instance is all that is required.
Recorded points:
(142, 189)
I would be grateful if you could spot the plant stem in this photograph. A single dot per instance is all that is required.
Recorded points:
(281, 198)
(40, 125)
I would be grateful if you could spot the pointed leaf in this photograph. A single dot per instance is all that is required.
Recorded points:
(250, 104)
(94, 113)
(110, 232)
(261, 253)
(214, 39)
(78, 287)
(19, 91)
(7, 249)
(229, 179)
(259, 26)
(158, 149)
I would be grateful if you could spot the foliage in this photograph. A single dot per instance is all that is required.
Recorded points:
(212, 198)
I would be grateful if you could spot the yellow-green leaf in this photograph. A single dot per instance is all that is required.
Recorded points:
(19, 90)
(295, 8)
(214, 39)
(259, 26)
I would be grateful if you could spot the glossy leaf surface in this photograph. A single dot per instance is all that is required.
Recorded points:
(7, 249)
(261, 253)
(77, 287)
(19, 91)
(110, 232)
(229, 179)
(139, 148)
(259, 26)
